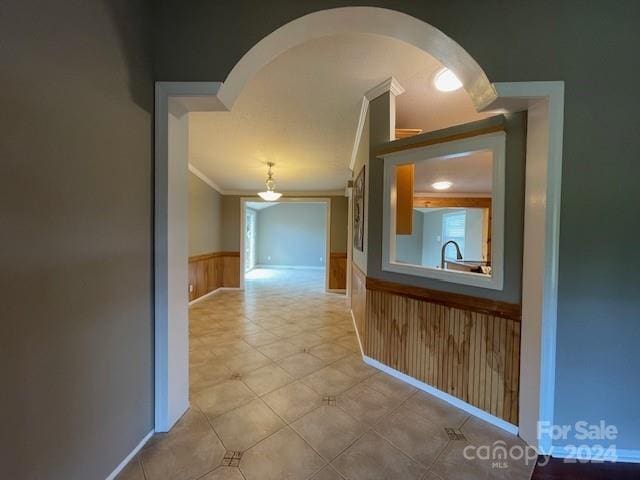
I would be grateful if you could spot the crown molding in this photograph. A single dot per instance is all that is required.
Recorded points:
(206, 179)
(389, 85)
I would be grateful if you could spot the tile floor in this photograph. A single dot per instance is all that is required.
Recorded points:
(279, 391)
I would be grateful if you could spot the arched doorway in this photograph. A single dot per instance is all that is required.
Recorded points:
(543, 100)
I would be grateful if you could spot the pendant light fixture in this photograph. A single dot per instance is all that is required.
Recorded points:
(270, 195)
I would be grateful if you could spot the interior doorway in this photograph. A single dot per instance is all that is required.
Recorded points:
(250, 239)
(544, 102)
(288, 235)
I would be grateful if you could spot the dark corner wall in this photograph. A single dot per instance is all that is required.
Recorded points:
(593, 48)
(76, 233)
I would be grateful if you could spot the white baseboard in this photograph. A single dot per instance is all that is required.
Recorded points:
(621, 455)
(355, 327)
(128, 458)
(206, 295)
(341, 291)
(289, 267)
(456, 402)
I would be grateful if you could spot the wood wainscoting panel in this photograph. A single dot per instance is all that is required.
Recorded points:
(471, 355)
(338, 271)
(231, 270)
(212, 271)
(358, 299)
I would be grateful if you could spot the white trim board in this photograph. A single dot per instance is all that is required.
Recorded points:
(130, 456)
(456, 402)
(206, 295)
(205, 179)
(286, 267)
(355, 327)
(389, 85)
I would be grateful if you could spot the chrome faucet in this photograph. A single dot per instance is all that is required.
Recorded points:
(444, 247)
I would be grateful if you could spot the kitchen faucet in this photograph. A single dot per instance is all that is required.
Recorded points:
(444, 247)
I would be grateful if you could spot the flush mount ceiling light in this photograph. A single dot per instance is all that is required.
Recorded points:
(446, 81)
(270, 194)
(441, 185)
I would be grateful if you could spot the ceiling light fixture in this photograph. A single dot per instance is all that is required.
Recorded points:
(270, 195)
(441, 185)
(446, 81)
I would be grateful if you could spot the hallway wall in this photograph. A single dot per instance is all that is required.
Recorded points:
(292, 234)
(76, 226)
(598, 290)
(205, 217)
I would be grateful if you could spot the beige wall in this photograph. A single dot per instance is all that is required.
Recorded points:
(76, 204)
(205, 218)
(230, 232)
(362, 160)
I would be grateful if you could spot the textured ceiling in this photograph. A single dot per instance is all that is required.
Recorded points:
(301, 112)
(470, 173)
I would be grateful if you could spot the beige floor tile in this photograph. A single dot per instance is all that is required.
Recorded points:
(391, 387)
(133, 471)
(283, 455)
(416, 436)
(306, 340)
(436, 410)
(245, 426)
(301, 364)
(279, 350)
(246, 362)
(365, 404)
(329, 430)
(292, 401)
(329, 381)
(190, 450)
(224, 473)
(206, 375)
(353, 366)
(349, 342)
(327, 473)
(260, 339)
(266, 379)
(219, 399)
(373, 458)
(329, 352)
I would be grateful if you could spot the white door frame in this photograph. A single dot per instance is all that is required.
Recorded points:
(326, 201)
(545, 104)
(252, 249)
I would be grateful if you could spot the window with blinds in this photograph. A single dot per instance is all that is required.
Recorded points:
(453, 228)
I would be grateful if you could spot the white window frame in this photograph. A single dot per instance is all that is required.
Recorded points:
(494, 142)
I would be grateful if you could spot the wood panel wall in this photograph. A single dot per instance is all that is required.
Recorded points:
(465, 346)
(471, 355)
(358, 298)
(212, 271)
(338, 271)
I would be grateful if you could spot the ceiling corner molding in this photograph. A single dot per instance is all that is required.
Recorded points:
(364, 109)
(389, 85)
(205, 179)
